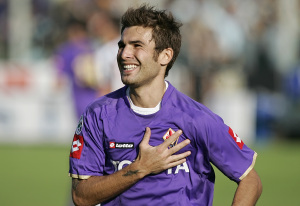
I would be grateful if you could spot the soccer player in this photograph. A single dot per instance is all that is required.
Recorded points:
(70, 63)
(149, 144)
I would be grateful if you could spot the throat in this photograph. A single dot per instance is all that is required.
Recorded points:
(144, 110)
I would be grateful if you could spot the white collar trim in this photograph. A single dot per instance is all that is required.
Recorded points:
(142, 110)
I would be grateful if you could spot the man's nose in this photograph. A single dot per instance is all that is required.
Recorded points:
(126, 52)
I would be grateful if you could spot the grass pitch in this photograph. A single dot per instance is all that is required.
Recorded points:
(34, 175)
(278, 166)
(38, 175)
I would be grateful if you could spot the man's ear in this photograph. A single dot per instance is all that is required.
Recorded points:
(165, 56)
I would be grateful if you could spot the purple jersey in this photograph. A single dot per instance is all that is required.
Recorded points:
(108, 136)
(66, 58)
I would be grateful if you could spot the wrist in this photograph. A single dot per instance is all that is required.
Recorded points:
(135, 169)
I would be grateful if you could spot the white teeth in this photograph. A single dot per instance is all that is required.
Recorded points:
(129, 67)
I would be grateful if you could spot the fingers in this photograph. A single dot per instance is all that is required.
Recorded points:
(146, 137)
(179, 146)
(172, 138)
(155, 159)
(179, 157)
(167, 142)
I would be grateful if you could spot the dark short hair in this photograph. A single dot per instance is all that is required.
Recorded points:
(165, 29)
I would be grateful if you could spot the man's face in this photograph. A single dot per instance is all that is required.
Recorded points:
(136, 60)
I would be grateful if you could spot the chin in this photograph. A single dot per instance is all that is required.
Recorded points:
(127, 82)
(131, 84)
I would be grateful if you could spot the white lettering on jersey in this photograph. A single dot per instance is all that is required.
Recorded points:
(115, 163)
(183, 166)
(120, 165)
(124, 162)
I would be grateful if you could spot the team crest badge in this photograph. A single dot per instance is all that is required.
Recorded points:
(79, 126)
(168, 134)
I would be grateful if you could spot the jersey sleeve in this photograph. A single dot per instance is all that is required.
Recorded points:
(228, 152)
(87, 157)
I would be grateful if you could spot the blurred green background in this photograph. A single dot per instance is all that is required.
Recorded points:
(38, 175)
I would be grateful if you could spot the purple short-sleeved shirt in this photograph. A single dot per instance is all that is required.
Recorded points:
(108, 136)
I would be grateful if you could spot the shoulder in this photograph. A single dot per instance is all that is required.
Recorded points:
(188, 106)
(197, 120)
(108, 103)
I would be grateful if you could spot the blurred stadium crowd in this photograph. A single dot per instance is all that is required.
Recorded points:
(238, 57)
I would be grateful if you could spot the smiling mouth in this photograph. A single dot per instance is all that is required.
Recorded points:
(129, 67)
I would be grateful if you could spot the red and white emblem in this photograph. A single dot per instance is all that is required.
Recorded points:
(77, 146)
(168, 134)
(112, 145)
(236, 138)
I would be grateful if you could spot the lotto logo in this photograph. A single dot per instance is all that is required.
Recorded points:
(236, 138)
(77, 146)
(112, 145)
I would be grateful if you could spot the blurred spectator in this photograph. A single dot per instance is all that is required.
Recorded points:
(72, 61)
(292, 85)
(105, 28)
(289, 123)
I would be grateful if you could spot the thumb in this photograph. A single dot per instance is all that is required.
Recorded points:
(146, 137)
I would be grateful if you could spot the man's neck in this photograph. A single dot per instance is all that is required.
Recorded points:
(148, 96)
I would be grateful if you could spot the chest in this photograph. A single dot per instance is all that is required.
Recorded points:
(124, 132)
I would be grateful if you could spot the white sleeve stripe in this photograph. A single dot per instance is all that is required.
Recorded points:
(250, 168)
(83, 177)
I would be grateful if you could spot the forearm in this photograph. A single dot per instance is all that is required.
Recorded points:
(249, 190)
(151, 160)
(99, 189)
